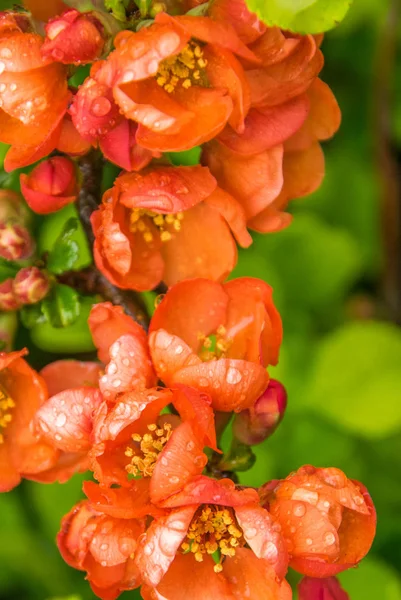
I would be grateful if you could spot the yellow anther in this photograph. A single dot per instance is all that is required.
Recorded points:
(185, 69)
(218, 568)
(143, 459)
(186, 83)
(165, 236)
(145, 222)
(219, 342)
(158, 220)
(6, 405)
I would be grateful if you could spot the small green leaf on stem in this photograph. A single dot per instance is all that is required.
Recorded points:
(62, 306)
(65, 253)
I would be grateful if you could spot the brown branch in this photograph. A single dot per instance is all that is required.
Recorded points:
(91, 280)
(389, 167)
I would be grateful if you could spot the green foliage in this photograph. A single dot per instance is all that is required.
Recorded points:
(117, 8)
(52, 229)
(372, 580)
(301, 16)
(7, 269)
(62, 306)
(356, 379)
(64, 255)
(187, 158)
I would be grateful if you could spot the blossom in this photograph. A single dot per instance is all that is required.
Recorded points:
(73, 38)
(33, 96)
(179, 92)
(254, 425)
(218, 338)
(276, 156)
(213, 517)
(51, 185)
(102, 546)
(328, 521)
(132, 437)
(155, 226)
(317, 589)
(99, 121)
(22, 392)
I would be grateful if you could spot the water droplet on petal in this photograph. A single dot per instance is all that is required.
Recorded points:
(148, 549)
(233, 376)
(100, 107)
(104, 547)
(61, 420)
(299, 510)
(190, 446)
(2, 67)
(174, 479)
(112, 368)
(6, 53)
(251, 532)
(309, 541)
(329, 538)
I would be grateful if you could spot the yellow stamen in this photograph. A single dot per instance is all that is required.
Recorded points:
(143, 459)
(213, 529)
(145, 221)
(222, 344)
(187, 69)
(6, 406)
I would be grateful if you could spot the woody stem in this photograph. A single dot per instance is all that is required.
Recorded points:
(91, 280)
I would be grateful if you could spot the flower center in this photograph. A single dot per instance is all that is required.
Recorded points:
(149, 223)
(144, 457)
(185, 69)
(213, 529)
(6, 404)
(215, 346)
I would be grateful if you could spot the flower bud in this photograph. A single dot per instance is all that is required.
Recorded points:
(8, 300)
(254, 425)
(12, 207)
(50, 186)
(15, 242)
(73, 38)
(327, 588)
(30, 285)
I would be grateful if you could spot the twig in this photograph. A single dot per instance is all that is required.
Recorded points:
(91, 280)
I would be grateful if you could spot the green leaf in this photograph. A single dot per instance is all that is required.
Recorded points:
(7, 269)
(301, 16)
(356, 379)
(117, 8)
(70, 339)
(32, 314)
(187, 158)
(65, 252)
(53, 226)
(372, 580)
(62, 306)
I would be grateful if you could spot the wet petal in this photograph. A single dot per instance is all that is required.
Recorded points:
(204, 490)
(62, 375)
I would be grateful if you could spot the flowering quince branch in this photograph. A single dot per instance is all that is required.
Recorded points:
(164, 512)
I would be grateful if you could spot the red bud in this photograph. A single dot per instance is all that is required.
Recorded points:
(30, 285)
(254, 425)
(8, 300)
(50, 186)
(73, 37)
(15, 242)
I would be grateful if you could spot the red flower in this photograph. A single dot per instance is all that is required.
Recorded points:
(22, 392)
(217, 338)
(328, 521)
(73, 38)
(102, 546)
(132, 437)
(34, 97)
(156, 226)
(179, 92)
(51, 185)
(209, 517)
(321, 589)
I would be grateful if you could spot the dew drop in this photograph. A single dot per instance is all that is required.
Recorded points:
(2, 87)
(58, 54)
(126, 362)
(309, 541)
(190, 446)
(44, 426)
(61, 420)
(104, 563)
(58, 437)
(329, 538)
(13, 87)
(251, 532)
(117, 383)
(233, 376)
(148, 549)
(100, 107)
(203, 382)
(270, 552)
(104, 547)
(6, 53)
(299, 510)
(179, 350)
(112, 368)
(174, 479)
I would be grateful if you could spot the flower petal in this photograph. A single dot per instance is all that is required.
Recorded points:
(62, 375)
(233, 213)
(204, 490)
(122, 503)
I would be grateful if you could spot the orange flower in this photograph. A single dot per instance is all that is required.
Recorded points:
(51, 185)
(132, 438)
(328, 521)
(217, 338)
(213, 517)
(99, 121)
(180, 79)
(276, 156)
(315, 589)
(33, 96)
(155, 226)
(73, 38)
(103, 546)
(22, 393)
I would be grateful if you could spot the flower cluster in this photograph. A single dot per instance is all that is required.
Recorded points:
(164, 511)
(143, 420)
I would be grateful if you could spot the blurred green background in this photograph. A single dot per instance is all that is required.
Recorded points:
(341, 357)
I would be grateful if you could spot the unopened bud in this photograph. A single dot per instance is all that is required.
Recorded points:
(8, 301)
(254, 425)
(30, 285)
(15, 242)
(12, 208)
(50, 186)
(74, 38)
